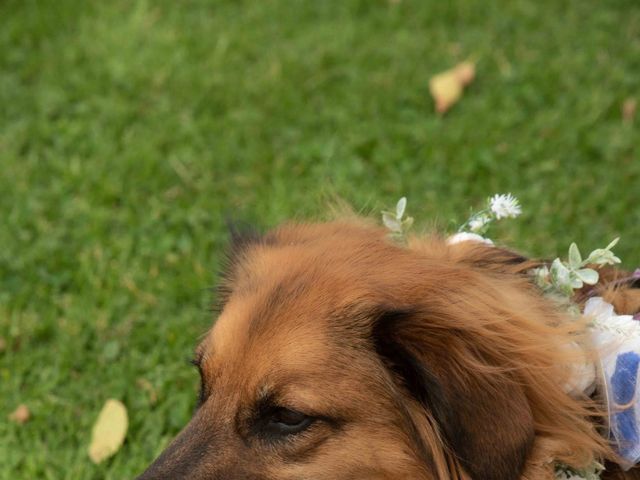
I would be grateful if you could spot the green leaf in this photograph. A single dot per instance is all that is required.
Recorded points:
(406, 223)
(400, 207)
(613, 243)
(588, 275)
(575, 259)
(560, 274)
(603, 257)
(391, 223)
(576, 281)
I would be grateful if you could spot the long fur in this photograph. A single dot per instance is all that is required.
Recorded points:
(423, 361)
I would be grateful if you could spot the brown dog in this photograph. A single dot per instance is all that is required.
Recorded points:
(340, 354)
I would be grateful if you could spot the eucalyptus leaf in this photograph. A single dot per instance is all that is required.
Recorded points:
(588, 275)
(598, 256)
(575, 259)
(400, 207)
(407, 222)
(576, 281)
(560, 274)
(602, 256)
(391, 223)
(613, 243)
(566, 290)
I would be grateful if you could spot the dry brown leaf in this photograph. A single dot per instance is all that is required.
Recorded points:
(20, 415)
(629, 107)
(446, 87)
(146, 385)
(109, 431)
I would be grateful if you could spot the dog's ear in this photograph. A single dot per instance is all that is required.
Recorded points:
(243, 237)
(484, 418)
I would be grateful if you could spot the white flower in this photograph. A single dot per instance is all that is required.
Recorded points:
(505, 206)
(477, 223)
(467, 237)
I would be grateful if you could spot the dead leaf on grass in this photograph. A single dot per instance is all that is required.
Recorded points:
(446, 88)
(20, 415)
(146, 385)
(109, 431)
(629, 108)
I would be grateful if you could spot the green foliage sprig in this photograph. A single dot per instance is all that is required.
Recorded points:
(563, 277)
(396, 221)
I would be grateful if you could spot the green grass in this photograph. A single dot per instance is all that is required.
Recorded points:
(129, 130)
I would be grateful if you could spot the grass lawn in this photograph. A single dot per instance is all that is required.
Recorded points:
(130, 129)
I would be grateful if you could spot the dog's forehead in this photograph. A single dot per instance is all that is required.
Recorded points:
(308, 288)
(286, 311)
(287, 304)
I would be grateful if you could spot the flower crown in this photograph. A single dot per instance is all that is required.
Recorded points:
(557, 280)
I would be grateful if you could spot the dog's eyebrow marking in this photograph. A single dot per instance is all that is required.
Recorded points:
(286, 291)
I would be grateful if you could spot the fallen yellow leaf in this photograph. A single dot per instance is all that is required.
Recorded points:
(466, 72)
(109, 431)
(21, 414)
(446, 87)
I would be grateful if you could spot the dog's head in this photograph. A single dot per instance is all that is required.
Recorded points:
(339, 354)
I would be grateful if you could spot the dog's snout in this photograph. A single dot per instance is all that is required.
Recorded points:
(195, 454)
(182, 458)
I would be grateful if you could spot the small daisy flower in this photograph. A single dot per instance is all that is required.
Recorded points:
(476, 224)
(505, 206)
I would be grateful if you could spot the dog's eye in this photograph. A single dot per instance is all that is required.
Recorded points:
(283, 421)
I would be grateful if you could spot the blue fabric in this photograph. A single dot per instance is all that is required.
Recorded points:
(623, 390)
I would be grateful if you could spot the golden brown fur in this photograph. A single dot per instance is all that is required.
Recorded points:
(426, 361)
